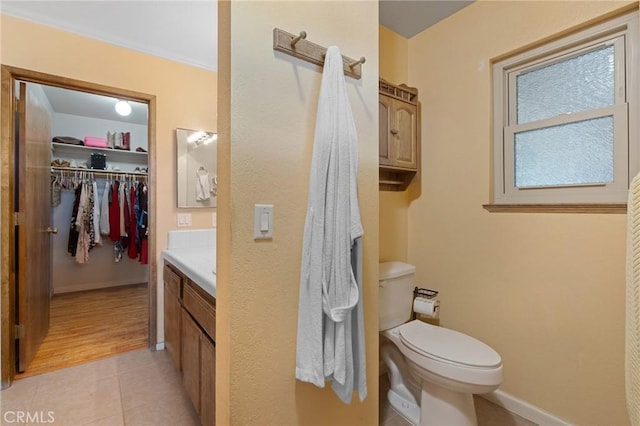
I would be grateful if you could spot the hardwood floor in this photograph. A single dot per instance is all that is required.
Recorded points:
(90, 325)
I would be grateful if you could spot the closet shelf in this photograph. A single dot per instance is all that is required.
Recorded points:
(98, 171)
(118, 155)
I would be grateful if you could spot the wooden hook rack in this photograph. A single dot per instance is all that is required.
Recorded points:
(300, 47)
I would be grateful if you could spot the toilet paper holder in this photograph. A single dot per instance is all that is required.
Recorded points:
(425, 293)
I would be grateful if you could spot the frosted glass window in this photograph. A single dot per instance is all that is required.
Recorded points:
(573, 85)
(570, 154)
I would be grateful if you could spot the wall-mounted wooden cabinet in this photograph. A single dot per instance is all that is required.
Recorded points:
(399, 138)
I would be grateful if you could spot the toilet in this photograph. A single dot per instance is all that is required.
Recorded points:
(433, 371)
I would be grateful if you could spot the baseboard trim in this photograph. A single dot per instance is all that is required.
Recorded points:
(160, 346)
(91, 286)
(524, 409)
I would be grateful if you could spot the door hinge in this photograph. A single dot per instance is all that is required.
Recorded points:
(17, 218)
(20, 331)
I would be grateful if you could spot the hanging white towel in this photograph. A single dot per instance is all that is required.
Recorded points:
(203, 191)
(632, 327)
(330, 343)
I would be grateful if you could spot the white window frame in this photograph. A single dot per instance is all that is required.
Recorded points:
(622, 33)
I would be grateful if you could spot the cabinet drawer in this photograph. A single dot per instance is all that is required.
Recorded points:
(172, 281)
(202, 310)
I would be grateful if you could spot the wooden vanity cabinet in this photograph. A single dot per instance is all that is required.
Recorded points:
(399, 135)
(195, 322)
(172, 315)
(191, 358)
(208, 381)
(198, 350)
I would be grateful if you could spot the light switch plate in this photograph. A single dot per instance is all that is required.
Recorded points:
(263, 222)
(184, 219)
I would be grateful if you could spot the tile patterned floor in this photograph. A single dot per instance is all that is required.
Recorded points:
(143, 388)
(135, 388)
(488, 414)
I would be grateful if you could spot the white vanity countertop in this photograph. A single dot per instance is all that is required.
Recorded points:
(198, 264)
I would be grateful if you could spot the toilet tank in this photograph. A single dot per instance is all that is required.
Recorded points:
(396, 284)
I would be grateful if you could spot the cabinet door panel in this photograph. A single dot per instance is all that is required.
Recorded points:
(208, 382)
(191, 358)
(172, 319)
(385, 125)
(405, 146)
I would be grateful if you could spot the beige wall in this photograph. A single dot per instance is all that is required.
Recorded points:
(394, 62)
(545, 290)
(183, 97)
(268, 105)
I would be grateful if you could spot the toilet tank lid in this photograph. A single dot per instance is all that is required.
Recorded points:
(389, 270)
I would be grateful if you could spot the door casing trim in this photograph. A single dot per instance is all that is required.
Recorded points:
(8, 76)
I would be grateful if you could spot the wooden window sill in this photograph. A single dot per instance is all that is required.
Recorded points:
(607, 208)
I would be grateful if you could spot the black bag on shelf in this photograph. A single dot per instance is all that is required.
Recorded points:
(98, 161)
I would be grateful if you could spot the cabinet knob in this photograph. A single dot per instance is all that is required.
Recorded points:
(394, 132)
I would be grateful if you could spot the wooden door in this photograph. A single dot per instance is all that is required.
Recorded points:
(33, 206)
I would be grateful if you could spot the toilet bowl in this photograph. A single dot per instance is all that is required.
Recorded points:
(433, 371)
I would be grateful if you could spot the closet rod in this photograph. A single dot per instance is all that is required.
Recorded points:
(97, 171)
(298, 46)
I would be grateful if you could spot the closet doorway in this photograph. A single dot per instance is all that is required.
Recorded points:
(38, 282)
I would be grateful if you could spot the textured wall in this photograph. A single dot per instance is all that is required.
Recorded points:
(545, 290)
(394, 205)
(268, 104)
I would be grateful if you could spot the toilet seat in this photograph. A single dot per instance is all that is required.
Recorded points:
(449, 346)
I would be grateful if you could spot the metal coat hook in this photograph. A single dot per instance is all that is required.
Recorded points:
(362, 60)
(302, 36)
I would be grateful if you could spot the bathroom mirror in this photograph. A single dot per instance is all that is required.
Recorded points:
(196, 153)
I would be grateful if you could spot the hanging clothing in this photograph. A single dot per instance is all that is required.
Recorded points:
(104, 209)
(143, 222)
(122, 200)
(84, 223)
(96, 214)
(114, 213)
(133, 231)
(56, 191)
(330, 337)
(72, 243)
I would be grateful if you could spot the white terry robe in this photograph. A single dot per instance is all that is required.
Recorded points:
(330, 331)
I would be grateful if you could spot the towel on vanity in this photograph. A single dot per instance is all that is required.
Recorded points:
(330, 331)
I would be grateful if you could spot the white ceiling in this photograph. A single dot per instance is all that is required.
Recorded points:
(184, 31)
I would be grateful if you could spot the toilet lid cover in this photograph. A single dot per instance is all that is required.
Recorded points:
(448, 345)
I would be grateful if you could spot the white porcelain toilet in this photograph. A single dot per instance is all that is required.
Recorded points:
(433, 371)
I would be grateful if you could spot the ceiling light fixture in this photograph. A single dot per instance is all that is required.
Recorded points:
(123, 108)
